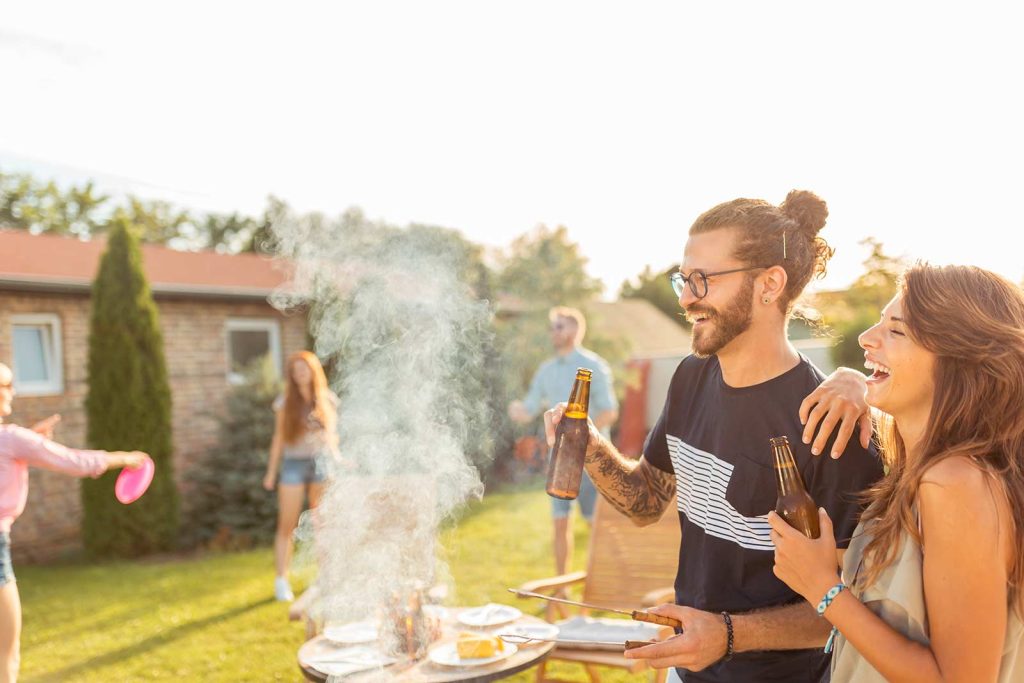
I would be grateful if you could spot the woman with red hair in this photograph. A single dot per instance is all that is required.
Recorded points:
(305, 441)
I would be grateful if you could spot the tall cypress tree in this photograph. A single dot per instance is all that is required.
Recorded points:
(128, 405)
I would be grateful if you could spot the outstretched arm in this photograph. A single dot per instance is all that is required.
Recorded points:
(635, 488)
(38, 451)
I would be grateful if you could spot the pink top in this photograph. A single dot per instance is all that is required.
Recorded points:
(19, 448)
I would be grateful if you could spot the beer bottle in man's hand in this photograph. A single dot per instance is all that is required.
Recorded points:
(794, 505)
(565, 468)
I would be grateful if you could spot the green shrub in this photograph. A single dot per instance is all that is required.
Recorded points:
(228, 507)
(128, 405)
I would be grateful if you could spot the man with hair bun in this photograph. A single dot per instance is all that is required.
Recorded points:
(744, 265)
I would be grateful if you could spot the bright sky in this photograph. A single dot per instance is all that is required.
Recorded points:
(622, 122)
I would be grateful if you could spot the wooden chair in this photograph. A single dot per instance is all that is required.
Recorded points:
(628, 567)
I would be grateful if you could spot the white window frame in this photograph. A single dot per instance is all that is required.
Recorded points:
(54, 354)
(269, 325)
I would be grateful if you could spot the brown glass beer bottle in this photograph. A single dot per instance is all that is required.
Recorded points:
(565, 467)
(794, 504)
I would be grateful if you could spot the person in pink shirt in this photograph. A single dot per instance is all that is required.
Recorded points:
(19, 449)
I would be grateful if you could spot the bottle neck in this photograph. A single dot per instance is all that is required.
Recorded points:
(579, 399)
(787, 476)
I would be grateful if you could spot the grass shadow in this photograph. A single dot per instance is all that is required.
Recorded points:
(146, 645)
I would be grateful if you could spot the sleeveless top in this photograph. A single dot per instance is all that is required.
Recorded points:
(315, 440)
(897, 597)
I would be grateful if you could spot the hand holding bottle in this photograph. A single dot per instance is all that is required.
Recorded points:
(808, 566)
(572, 439)
(553, 416)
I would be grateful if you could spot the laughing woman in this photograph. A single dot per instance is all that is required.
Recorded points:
(19, 449)
(931, 586)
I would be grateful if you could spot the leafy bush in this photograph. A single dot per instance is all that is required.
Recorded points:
(229, 507)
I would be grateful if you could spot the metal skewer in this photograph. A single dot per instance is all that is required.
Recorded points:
(637, 615)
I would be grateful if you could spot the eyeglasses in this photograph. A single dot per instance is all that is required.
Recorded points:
(698, 280)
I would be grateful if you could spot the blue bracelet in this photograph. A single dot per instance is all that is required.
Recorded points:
(830, 595)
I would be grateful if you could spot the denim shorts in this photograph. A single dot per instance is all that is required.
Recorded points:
(6, 568)
(588, 496)
(299, 471)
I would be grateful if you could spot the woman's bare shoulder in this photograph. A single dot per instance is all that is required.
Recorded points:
(962, 488)
(956, 472)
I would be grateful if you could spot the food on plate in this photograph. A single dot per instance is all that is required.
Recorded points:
(477, 646)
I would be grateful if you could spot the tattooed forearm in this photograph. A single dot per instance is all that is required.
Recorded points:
(635, 488)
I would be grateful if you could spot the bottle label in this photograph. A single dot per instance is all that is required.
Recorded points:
(576, 414)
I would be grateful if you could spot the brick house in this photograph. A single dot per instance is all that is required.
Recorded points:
(214, 315)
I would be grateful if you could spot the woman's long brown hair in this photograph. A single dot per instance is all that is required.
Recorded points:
(296, 409)
(973, 321)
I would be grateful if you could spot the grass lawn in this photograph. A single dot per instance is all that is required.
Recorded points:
(213, 618)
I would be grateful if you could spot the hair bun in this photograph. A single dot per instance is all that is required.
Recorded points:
(807, 209)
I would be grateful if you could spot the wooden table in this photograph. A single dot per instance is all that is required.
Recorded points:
(426, 671)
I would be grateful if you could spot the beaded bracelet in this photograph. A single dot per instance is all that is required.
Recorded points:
(728, 642)
(830, 595)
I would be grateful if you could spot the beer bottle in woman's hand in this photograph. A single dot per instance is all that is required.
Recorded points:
(794, 504)
(565, 467)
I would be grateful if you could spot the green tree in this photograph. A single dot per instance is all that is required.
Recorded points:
(541, 269)
(28, 204)
(544, 265)
(261, 239)
(225, 232)
(851, 312)
(159, 222)
(229, 507)
(128, 405)
(655, 288)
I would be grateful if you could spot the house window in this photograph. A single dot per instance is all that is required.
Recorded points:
(248, 340)
(38, 354)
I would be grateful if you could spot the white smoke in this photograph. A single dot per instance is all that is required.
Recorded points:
(407, 339)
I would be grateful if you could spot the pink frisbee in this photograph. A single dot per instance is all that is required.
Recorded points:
(132, 483)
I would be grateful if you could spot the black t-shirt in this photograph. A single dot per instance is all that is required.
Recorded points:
(714, 438)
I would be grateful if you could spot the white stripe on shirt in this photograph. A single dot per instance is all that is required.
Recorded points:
(701, 482)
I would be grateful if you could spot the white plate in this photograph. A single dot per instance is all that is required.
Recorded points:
(348, 660)
(352, 633)
(544, 631)
(447, 655)
(489, 615)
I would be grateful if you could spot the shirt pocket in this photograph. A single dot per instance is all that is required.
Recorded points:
(751, 490)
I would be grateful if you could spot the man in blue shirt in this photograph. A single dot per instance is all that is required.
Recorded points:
(551, 384)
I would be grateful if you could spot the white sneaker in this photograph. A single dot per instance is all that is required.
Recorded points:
(283, 590)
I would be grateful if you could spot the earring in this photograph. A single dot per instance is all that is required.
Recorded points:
(766, 300)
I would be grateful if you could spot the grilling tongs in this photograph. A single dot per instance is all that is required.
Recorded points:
(627, 645)
(636, 614)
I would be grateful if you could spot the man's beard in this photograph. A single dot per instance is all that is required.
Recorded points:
(728, 323)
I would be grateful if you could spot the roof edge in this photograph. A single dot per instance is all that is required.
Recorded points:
(77, 286)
